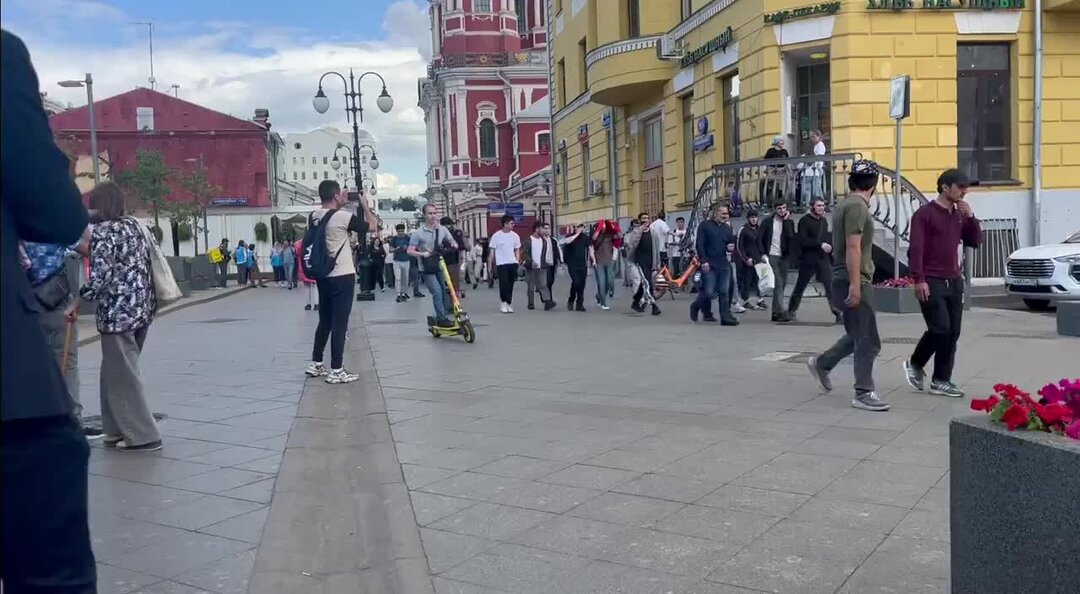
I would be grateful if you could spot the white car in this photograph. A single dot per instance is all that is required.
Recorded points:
(1045, 273)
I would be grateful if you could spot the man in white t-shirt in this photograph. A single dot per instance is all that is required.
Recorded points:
(505, 250)
(675, 239)
(336, 290)
(813, 182)
(661, 231)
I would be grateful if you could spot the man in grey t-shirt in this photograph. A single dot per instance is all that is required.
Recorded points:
(424, 245)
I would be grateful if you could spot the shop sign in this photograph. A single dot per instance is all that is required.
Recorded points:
(946, 4)
(720, 42)
(801, 13)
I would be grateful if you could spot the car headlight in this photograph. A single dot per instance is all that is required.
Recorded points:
(1070, 259)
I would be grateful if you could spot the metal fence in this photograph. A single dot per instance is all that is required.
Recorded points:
(1000, 238)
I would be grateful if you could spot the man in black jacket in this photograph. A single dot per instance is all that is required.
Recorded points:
(747, 254)
(715, 244)
(815, 256)
(44, 455)
(779, 246)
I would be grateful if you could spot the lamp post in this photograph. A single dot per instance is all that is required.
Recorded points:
(354, 111)
(202, 204)
(88, 82)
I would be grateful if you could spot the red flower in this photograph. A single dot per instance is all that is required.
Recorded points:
(1053, 413)
(1016, 416)
(986, 404)
(1073, 429)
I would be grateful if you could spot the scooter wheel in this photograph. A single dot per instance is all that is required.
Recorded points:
(434, 332)
(468, 332)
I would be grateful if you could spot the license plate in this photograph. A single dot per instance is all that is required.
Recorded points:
(1025, 282)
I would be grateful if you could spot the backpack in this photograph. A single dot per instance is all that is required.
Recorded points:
(315, 258)
(215, 255)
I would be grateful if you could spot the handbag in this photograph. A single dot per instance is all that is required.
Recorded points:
(54, 291)
(165, 287)
(766, 282)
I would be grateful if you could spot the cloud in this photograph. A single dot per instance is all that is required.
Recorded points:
(390, 186)
(235, 67)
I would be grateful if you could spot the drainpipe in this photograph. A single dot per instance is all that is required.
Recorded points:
(613, 160)
(1036, 135)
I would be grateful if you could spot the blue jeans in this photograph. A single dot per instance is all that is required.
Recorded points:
(436, 286)
(715, 281)
(605, 281)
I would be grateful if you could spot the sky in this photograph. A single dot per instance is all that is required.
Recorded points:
(238, 55)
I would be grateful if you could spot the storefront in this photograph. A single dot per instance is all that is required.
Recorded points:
(718, 85)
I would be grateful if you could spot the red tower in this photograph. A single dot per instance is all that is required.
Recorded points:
(489, 64)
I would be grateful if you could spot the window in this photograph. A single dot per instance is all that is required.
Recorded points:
(686, 8)
(301, 160)
(325, 174)
(303, 175)
(294, 160)
(314, 175)
(583, 81)
(563, 166)
(487, 139)
(653, 139)
(689, 130)
(481, 5)
(983, 111)
(294, 175)
(563, 96)
(522, 8)
(586, 169)
(313, 160)
(363, 160)
(324, 160)
(144, 118)
(344, 160)
(543, 143)
(633, 10)
(729, 87)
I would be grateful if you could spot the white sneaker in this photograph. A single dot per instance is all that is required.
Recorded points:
(504, 308)
(509, 308)
(605, 307)
(737, 308)
(340, 376)
(316, 370)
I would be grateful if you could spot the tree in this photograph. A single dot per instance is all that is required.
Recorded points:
(147, 180)
(406, 203)
(200, 192)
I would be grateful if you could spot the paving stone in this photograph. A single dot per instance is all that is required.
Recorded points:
(430, 507)
(171, 587)
(230, 456)
(937, 498)
(670, 488)
(476, 486)
(924, 524)
(901, 485)
(489, 520)
(270, 464)
(723, 525)
(850, 515)
(905, 565)
(574, 536)
(797, 473)
(629, 510)
(201, 512)
(602, 577)
(418, 477)
(546, 497)
(172, 557)
(121, 581)
(445, 586)
(447, 549)
(708, 587)
(259, 492)
(670, 553)
(129, 499)
(522, 467)
(218, 480)
(749, 499)
(246, 527)
(149, 469)
(226, 576)
(517, 569)
(590, 477)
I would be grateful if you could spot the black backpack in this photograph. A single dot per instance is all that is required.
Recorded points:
(315, 258)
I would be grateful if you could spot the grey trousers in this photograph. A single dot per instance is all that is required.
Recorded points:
(54, 323)
(860, 336)
(124, 410)
(780, 269)
(536, 280)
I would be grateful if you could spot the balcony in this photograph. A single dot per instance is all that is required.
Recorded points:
(627, 71)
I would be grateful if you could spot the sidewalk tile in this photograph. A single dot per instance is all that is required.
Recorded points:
(246, 527)
(493, 521)
(758, 501)
(629, 510)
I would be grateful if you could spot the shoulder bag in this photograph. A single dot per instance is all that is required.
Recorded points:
(165, 287)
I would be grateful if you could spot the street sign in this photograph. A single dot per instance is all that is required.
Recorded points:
(228, 202)
(606, 120)
(514, 209)
(900, 97)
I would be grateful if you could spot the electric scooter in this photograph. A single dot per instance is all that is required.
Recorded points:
(461, 326)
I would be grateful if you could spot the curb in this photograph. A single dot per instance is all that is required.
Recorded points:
(172, 308)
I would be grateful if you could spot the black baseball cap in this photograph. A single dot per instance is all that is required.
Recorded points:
(446, 221)
(955, 177)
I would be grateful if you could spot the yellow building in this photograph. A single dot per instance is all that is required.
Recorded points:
(649, 95)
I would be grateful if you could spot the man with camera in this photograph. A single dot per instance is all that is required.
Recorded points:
(425, 244)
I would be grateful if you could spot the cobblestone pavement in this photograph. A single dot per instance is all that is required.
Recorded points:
(562, 452)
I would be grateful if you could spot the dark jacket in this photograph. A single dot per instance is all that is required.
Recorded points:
(713, 240)
(748, 244)
(527, 256)
(812, 233)
(38, 202)
(787, 237)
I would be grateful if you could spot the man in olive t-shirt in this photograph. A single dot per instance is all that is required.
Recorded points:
(853, 230)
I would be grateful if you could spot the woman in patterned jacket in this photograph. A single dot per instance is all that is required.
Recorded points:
(121, 285)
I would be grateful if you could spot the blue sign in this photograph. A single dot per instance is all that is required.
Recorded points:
(702, 143)
(606, 120)
(514, 209)
(702, 125)
(229, 202)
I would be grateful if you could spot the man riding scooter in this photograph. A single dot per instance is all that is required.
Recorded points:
(425, 244)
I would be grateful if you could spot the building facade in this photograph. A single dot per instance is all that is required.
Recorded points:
(489, 65)
(308, 156)
(647, 102)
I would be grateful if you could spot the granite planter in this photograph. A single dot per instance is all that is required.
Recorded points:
(204, 273)
(1015, 509)
(1068, 318)
(899, 300)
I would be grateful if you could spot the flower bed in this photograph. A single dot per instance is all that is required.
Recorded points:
(1056, 411)
(896, 295)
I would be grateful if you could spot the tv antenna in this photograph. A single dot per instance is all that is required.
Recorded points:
(150, 26)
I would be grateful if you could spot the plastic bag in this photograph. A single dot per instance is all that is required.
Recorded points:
(766, 282)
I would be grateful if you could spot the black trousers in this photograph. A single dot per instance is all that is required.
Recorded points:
(808, 269)
(378, 268)
(223, 273)
(46, 538)
(943, 312)
(507, 274)
(335, 305)
(748, 281)
(551, 270)
(647, 273)
(577, 284)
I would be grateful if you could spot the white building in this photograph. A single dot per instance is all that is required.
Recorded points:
(309, 156)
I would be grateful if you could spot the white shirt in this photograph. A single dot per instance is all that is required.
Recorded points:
(659, 229)
(777, 231)
(538, 249)
(503, 243)
(677, 236)
(818, 168)
(337, 239)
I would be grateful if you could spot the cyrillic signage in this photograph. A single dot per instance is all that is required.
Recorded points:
(720, 42)
(781, 16)
(946, 4)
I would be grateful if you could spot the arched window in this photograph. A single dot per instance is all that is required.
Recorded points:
(487, 139)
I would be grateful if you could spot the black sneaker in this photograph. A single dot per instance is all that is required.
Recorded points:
(655, 309)
(446, 323)
(153, 446)
(92, 433)
(729, 322)
(637, 307)
(550, 305)
(418, 294)
(579, 307)
(946, 388)
(694, 311)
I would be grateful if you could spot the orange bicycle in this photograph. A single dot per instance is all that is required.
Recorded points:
(665, 283)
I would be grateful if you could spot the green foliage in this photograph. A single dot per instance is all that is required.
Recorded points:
(262, 232)
(147, 180)
(406, 203)
(183, 231)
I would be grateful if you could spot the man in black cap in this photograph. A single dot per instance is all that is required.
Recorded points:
(937, 228)
(453, 257)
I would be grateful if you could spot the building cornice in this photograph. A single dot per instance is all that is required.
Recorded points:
(699, 18)
(620, 47)
(569, 108)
